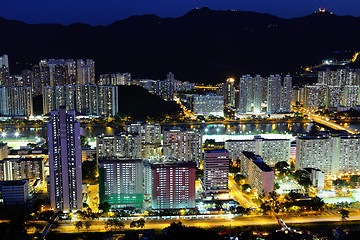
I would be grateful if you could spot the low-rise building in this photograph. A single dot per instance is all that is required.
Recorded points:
(14, 192)
(317, 177)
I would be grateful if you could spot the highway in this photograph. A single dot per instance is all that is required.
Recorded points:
(329, 123)
(239, 196)
(251, 220)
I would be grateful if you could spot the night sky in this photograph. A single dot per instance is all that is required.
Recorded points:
(103, 12)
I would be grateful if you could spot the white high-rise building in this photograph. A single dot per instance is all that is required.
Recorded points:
(315, 96)
(274, 94)
(334, 154)
(184, 145)
(351, 96)
(245, 94)
(272, 150)
(286, 94)
(209, 104)
(4, 61)
(258, 94)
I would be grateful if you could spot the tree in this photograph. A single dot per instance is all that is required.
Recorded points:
(219, 205)
(104, 207)
(87, 225)
(79, 225)
(89, 171)
(355, 179)
(238, 178)
(246, 188)
(344, 214)
(314, 130)
(265, 208)
(339, 183)
(137, 224)
(283, 167)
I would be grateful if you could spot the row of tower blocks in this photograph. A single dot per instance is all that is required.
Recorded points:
(134, 165)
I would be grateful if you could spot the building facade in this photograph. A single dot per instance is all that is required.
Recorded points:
(173, 185)
(64, 161)
(121, 182)
(216, 171)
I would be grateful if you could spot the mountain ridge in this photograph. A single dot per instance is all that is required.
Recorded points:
(204, 45)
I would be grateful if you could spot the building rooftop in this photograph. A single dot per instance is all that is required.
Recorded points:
(216, 151)
(263, 166)
(13, 183)
(174, 164)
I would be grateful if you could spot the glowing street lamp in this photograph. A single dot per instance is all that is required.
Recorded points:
(3, 134)
(17, 134)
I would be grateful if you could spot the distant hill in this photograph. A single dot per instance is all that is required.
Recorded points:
(138, 103)
(202, 46)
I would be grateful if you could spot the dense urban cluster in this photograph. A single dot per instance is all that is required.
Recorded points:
(152, 169)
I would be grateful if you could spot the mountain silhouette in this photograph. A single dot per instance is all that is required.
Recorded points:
(204, 45)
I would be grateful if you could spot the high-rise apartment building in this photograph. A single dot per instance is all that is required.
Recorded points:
(258, 94)
(85, 99)
(16, 101)
(331, 154)
(245, 94)
(173, 185)
(121, 182)
(315, 96)
(184, 145)
(216, 171)
(64, 161)
(274, 91)
(229, 92)
(122, 145)
(150, 137)
(257, 173)
(85, 71)
(286, 94)
(351, 96)
(21, 168)
(4, 61)
(272, 150)
(209, 104)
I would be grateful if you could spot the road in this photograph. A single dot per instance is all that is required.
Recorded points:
(252, 220)
(329, 123)
(239, 196)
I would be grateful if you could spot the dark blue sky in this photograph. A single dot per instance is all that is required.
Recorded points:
(103, 12)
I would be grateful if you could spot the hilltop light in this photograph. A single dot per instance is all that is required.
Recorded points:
(230, 80)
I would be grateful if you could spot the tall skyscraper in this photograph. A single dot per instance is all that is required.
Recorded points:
(245, 94)
(286, 94)
(258, 94)
(229, 92)
(274, 94)
(216, 171)
(4, 61)
(65, 161)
